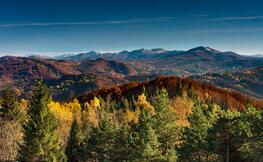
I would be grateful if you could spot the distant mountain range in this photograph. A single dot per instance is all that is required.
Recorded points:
(257, 55)
(123, 55)
(139, 54)
(133, 55)
(74, 75)
(198, 60)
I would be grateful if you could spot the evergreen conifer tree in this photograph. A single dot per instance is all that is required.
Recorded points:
(74, 143)
(41, 140)
(165, 125)
(225, 136)
(11, 131)
(100, 144)
(194, 138)
(10, 109)
(144, 141)
(251, 148)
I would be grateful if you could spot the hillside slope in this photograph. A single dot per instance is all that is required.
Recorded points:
(65, 78)
(248, 82)
(175, 85)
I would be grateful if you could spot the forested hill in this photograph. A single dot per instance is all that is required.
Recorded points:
(176, 86)
(249, 82)
(64, 78)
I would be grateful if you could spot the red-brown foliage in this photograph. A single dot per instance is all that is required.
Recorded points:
(204, 91)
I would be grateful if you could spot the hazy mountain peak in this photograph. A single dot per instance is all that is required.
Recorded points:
(202, 48)
(92, 52)
(37, 56)
(149, 51)
(159, 50)
(124, 52)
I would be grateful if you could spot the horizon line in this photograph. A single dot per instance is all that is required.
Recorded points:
(55, 53)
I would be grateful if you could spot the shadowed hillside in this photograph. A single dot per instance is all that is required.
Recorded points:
(65, 78)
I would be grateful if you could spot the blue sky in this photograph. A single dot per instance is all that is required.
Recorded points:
(55, 27)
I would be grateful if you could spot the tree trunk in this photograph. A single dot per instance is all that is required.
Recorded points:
(227, 150)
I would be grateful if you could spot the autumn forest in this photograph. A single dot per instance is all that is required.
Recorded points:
(143, 128)
(131, 81)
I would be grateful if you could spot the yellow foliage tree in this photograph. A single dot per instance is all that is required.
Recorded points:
(136, 115)
(93, 111)
(23, 104)
(95, 103)
(132, 116)
(65, 113)
(182, 106)
(142, 101)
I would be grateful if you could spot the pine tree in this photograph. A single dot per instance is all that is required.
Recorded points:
(101, 142)
(179, 89)
(122, 149)
(251, 143)
(252, 149)
(191, 93)
(11, 132)
(74, 143)
(41, 141)
(151, 149)
(194, 138)
(225, 136)
(144, 141)
(10, 109)
(165, 125)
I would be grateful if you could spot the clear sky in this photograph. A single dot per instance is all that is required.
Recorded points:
(54, 27)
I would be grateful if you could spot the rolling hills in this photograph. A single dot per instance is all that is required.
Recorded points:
(75, 75)
(248, 82)
(65, 78)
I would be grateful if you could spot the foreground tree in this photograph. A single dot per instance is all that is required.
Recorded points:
(99, 145)
(165, 125)
(11, 132)
(194, 145)
(10, 109)
(144, 141)
(225, 136)
(74, 142)
(80, 130)
(251, 148)
(41, 141)
(11, 136)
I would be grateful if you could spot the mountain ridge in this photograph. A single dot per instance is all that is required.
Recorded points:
(64, 75)
(174, 85)
(107, 55)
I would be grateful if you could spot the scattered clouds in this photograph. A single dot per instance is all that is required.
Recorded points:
(114, 22)
(237, 18)
(232, 30)
(130, 21)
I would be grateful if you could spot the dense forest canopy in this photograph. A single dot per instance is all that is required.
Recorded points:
(143, 127)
